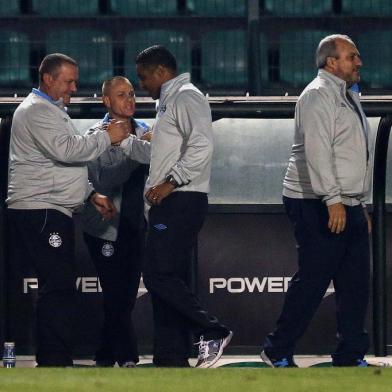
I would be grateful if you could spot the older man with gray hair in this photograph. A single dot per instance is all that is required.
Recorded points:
(324, 190)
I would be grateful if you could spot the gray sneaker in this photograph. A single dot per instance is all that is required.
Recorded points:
(211, 350)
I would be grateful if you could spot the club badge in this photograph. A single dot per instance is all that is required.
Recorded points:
(55, 240)
(107, 249)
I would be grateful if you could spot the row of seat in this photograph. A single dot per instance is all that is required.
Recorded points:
(223, 55)
(67, 8)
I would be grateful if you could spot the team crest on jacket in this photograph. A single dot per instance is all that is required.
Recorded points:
(161, 110)
(107, 249)
(55, 240)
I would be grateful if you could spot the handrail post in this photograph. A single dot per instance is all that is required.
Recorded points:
(379, 237)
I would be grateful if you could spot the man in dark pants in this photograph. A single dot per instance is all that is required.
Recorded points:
(176, 191)
(115, 245)
(325, 186)
(47, 182)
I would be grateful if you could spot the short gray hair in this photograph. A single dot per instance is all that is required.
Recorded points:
(51, 64)
(327, 48)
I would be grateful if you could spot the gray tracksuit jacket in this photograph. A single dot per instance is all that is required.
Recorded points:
(182, 142)
(108, 173)
(47, 166)
(329, 158)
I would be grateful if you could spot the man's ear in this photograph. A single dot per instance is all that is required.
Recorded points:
(331, 61)
(106, 101)
(160, 70)
(47, 78)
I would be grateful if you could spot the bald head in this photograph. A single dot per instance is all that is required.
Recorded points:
(118, 96)
(109, 83)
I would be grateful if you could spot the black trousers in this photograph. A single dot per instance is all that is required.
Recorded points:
(118, 265)
(172, 234)
(324, 257)
(45, 240)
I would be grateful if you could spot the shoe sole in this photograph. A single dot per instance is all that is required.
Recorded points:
(225, 342)
(266, 360)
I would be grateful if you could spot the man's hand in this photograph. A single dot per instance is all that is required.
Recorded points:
(337, 217)
(369, 220)
(104, 206)
(147, 136)
(158, 192)
(118, 131)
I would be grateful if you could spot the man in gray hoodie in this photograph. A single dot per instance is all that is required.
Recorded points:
(47, 182)
(176, 204)
(324, 190)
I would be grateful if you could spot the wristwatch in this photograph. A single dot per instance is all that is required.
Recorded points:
(171, 180)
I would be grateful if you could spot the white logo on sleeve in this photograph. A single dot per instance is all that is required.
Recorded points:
(107, 249)
(55, 240)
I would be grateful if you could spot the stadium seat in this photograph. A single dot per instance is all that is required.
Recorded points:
(144, 7)
(9, 7)
(376, 53)
(177, 42)
(14, 59)
(92, 49)
(65, 8)
(217, 7)
(297, 49)
(298, 7)
(367, 7)
(223, 58)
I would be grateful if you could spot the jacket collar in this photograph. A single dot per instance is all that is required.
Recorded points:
(59, 103)
(339, 83)
(173, 85)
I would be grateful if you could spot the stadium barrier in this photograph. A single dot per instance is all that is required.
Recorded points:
(235, 243)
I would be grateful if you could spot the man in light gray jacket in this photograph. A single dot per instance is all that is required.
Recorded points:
(176, 204)
(47, 183)
(324, 191)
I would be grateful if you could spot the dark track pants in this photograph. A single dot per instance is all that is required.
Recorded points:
(322, 257)
(172, 234)
(119, 275)
(44, 239)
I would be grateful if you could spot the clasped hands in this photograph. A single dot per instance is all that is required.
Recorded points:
(157, 193)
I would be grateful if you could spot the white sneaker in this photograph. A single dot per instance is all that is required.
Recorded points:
(211, 350)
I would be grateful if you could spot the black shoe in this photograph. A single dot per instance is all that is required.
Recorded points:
(278, 362)
(171, 363)
(104, 363)
(127, 364)
(360, 362)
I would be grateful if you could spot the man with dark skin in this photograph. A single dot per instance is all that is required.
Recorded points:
(176, 205)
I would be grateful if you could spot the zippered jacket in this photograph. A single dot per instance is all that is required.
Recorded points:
(182, 142)
(48, 158)
(109, 173)
(329, 158)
